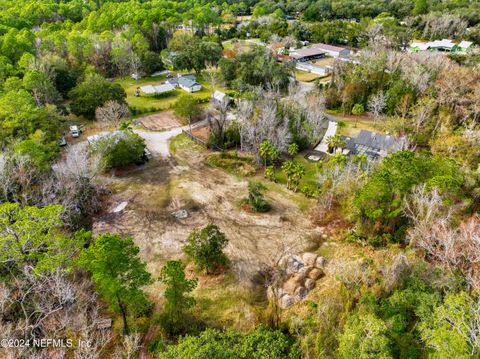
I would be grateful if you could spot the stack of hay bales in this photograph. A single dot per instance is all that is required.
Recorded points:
(302, 273)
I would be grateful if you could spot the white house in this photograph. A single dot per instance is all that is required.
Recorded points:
(187, 83)
(441, 45)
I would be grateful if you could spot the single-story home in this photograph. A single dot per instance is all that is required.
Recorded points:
(220, 98)
(372, 144)
(334, 51)
(441, 45)
(158, 89)
(187, 83)
(317, 51)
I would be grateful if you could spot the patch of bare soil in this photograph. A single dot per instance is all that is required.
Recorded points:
(201, 132)
(161, 121)
(156, 191)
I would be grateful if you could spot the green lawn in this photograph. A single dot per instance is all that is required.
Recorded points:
(309, 180)
(146, 104)
(353, 124)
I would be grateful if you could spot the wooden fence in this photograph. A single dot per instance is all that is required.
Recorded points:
(200, 141)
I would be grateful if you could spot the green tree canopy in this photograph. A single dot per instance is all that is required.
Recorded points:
(380, 201)
(261, 343)
(205, 247)
(187, 107)
(177, 300)
(93, 93)
(364, 337)
(20, 118)
(193, 53)
(118, 273)
(452, 330)
(32, 237)
(120, 148)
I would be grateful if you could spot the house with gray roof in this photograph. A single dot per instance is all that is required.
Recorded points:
(188, 83)
(372, 144)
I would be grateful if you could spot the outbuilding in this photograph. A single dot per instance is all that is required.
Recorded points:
(220, 98)
(158, 89)
(333, 51)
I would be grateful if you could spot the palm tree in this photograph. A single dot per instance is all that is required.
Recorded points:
(335, 142)
(294, 171)
(293, 149)
(125, 126)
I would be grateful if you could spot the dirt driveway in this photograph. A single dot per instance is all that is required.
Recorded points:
(157, 142)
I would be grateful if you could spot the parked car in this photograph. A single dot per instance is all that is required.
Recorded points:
(74, 131)
(62, 142)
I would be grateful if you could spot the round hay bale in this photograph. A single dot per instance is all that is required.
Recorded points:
(291, 284)
(301, 293)
(294, 264)
(286, 301)
(309, 258)
(320, 262)
(309, 283)
(315, 274)
(303, 272)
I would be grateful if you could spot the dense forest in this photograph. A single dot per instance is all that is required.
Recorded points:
(402, 278)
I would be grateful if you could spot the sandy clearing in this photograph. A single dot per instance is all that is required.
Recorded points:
(210, 195)
(160, 121)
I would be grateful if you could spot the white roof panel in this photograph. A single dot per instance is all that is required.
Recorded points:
(465, 44)
(163, 88)
(148, 89)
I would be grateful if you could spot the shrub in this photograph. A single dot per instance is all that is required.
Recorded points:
(255, 197)
(205, 247)
(120, 148)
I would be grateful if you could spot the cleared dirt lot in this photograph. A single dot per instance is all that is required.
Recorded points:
(154, 191)
(161, 121)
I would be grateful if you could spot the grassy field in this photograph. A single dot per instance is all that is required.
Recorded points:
(311, 171)
(306, 76)
(354, 124)
(241, 44)
(244, 167)
(147, 104)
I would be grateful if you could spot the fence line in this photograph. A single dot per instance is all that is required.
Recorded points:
(200, 141)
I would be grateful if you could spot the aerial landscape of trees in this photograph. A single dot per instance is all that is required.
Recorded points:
(400, 232)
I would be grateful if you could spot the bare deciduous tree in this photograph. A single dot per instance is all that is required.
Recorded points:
(377, 105)
(71, 185)
(455, 248)
(112, 113)
(265, 126)
(130, 347)
(442, 26)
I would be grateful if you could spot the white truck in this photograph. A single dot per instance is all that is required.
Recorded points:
(74, 131)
